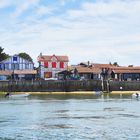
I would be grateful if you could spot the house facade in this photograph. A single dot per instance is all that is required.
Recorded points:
(94, 71)
(126, 74)
(16, 67)
(50, 66)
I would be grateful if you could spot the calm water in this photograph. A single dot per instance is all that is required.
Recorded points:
(70, 118)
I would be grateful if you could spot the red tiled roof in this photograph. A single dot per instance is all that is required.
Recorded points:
(48, 58)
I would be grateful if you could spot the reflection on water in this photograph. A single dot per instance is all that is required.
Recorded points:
(62, 117)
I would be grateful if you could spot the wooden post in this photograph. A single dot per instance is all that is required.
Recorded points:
(102, 84)
(107, 83)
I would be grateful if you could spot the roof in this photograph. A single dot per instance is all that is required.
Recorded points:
(126, 70)
(65, 72)
(19, 72)
(5, 72)
(103, 65)
(25, 71)
(81, 69)
(48, 58)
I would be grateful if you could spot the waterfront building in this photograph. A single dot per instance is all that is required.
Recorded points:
(125, 73)
(87, 72)
(93, 71)
(51, 65)
(16, 67)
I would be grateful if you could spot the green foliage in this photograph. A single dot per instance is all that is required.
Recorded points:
(26, 56)
(3, 55)
(115, 64)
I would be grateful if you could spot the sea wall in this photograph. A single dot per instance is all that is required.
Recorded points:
(68, 86)
(50, 86)
(124, 85)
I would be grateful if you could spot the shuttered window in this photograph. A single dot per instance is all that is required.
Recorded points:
(61, 64)
(46, 64)
(53, 64)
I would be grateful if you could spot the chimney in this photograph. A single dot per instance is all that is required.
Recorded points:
(40, 54)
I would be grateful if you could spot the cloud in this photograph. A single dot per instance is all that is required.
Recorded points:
(99, 31)
(22, 7)
(43, 10)
(4, 3)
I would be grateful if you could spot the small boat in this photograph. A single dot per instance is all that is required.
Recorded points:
(98, 92)
(136, 95)
(11, 95)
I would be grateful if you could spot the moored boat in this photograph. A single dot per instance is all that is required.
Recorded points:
(136, 95)
(12, 95)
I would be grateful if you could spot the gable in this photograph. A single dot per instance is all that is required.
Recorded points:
(54, 58)
(15, 59)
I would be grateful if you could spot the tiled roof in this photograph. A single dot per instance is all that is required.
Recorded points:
(48, 58)
(25, 71)
(81, 69)
(126, 70)
(5, 72)
(103, 65)
(9, 72)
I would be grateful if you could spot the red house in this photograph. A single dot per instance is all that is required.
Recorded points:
(49, 66)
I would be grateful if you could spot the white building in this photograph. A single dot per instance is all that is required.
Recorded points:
(49, 66)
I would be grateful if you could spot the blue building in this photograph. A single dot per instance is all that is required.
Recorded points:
(16, 67)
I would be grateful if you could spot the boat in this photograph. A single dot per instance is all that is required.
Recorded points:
(98, 92)
(136, 95)
(12, 95)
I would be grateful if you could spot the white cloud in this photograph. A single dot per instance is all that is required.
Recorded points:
(22, 7)
(99, 32)
(43, 10)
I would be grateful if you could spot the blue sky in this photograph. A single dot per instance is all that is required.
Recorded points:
(99, 31)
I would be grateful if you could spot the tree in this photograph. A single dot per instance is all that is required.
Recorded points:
(25, 56)
(3, 55)
(115, 64)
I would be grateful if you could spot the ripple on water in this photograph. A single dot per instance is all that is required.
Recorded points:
(129, 115)
(113, 109)
(43, 119)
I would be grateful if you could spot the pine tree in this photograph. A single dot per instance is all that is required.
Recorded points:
(3, 55)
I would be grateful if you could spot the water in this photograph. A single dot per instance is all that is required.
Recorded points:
(47, 117)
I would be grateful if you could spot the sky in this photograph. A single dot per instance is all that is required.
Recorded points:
(99, 31)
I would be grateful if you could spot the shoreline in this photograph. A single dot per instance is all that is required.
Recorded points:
(77, 93)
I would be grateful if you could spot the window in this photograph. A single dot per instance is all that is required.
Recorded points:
(6, 66)
(61, 64)
(16, 66)
(26, 66)
(46, 64)
(47, 74)
(53, 64)
(14, 58)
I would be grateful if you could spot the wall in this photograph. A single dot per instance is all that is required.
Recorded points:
(73, 85)
(43, 86)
